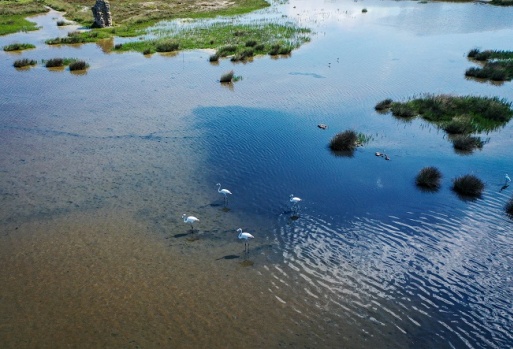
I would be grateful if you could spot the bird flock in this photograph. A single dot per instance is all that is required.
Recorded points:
(294, 200)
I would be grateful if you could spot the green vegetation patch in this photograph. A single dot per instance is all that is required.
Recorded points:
(468, 113)
(78, 37)
(25, 62)
(18, 47)
(15, 23)
(240, 41)
(498, 65)
(58, 62)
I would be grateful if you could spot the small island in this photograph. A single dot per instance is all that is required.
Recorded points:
(459, 116)
(498, 65)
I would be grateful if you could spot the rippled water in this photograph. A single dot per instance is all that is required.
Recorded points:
(97, 169)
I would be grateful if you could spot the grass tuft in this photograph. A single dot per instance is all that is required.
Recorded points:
(467, 143)
(20, 63)
(227, 77)
(384, 104)
(78, 65)
(344, 141)
(429, 178)
(18, 47)
(468, 185)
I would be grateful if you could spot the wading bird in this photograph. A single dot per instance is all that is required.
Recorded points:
(225, 192)
(245, 236)
(508, 180)
(190, 219)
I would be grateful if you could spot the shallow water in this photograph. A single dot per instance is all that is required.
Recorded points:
(97, 169)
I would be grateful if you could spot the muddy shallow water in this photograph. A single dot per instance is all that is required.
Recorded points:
(96, 170)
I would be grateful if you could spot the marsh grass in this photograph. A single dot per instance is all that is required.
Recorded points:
(18, 47)
(479, 113)
(240, 40)
(78, 65)
(12, 23)
(227, 77)
(21, 63)
(468, 185)
(58, 62)
(344, 141)
(429, 178)
(498, 65)
(78, 37)
(466, 143)
(462, 125)
(384, 105)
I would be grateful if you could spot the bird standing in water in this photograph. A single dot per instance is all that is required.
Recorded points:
(508, 180)
(225, 192)
(245, 236)
(190, 219)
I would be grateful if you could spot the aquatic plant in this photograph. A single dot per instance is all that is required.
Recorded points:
(58, 62)
(18, 47)
(481, 113)
(466, 143)
(227, 77)
(509, 207)
(459, 126)
(501, 70)
(213, 58)
(78, 65)
(429, 178)
(344, 141)
(20, 63)
(384, 104)
(468, 185)
(166, 46)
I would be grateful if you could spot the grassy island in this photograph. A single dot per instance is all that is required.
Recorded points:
(18, 47)
(459, 116)
(498, 65)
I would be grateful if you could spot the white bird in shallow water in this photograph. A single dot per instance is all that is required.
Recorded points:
(223, 191)
(189, 219)
(294, 199)
(506, 177)
(245, 236)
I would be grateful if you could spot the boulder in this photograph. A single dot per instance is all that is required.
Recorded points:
(101, 14)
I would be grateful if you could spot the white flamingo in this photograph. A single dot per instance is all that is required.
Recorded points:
(225, 192)
(190, 219)
(245, 236)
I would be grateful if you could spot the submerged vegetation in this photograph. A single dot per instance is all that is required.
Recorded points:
(498, 65)
(429, 178)
(18, 47)
(468, 185)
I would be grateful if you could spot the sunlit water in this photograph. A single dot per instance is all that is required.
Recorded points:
(97, 169)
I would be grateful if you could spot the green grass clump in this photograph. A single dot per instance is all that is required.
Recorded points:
(384, 104)
(509, 207)
(481, 113)
(20, 63)
(429, 178)
(18, 47)
(227, 77)
(498, 66)
(467, 143)
(458, 126)
(344, 141)
(166, 46)
(77, 37)
(78, 65)
(468, 185)
(213, 58)
(10, 22)
(58, 62)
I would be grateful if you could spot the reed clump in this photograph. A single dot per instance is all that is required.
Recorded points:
(78, 65)
(429, 178)
(25, 62)
(18, 47)
(468, 185)
(227, 77)
(498, 65)
(466, 143)
(167, 46)
(344, 141)
(384, 105)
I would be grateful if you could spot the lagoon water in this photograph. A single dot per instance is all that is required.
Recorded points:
(96, 170)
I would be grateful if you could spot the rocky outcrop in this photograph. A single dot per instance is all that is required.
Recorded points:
(101, 13)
